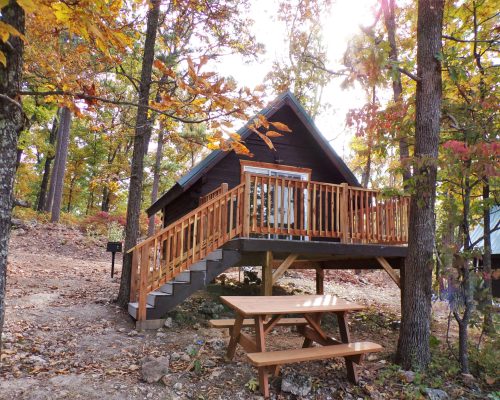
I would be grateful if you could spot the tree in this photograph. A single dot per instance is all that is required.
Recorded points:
(302, 70)
(60, 167)
(389, 11)
(49, 157)
(413, 344)
(141, 139)
(11, 124)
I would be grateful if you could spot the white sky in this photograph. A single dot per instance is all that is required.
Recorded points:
(343, 22)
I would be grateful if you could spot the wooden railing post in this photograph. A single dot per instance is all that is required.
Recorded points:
(143, 282)
(134, 275)
(246, 207)
(344, 213)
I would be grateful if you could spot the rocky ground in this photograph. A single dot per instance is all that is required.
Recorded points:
(65, 338)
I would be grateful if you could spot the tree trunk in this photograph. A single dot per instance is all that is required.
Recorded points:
(55, 168)
(11, 124)
(488, 325)
(141, 141)
(413, 345)
(156, 179)
(389, 9)
(42, 196)
(105, 200)
(64, 128)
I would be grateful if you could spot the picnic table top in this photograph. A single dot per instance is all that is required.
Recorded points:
(300, 304)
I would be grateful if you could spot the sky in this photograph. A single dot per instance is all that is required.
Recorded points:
(340, 25)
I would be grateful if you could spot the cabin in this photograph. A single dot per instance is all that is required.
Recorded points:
(295, 206)
(477, 237)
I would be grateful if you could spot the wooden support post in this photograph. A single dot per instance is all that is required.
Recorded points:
(392, 273)
(284, 266)
(320, 280)
(267, 274)
(344, 213)
(246, 208)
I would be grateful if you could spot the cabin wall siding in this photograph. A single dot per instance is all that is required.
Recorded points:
(298, 149)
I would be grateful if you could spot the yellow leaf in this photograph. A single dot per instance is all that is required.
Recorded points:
(281, 126)
(3, 60)
(3, 3)
(28, 5)
(263, 121)
(6, 30)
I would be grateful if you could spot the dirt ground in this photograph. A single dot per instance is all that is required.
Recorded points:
(65, 338)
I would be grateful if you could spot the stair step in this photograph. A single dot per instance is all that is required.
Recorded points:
(152, 296)
(199, 266)
(132, 308)
(167, 288)
(184, 276)
(215, 255)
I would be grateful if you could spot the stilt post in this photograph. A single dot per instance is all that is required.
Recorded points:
(267, 274)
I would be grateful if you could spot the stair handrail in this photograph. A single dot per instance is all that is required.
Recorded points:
(184, 242)
(186, 216)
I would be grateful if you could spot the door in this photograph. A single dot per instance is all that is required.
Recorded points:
(285, 213)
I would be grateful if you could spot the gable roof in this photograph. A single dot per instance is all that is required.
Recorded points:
(495, 235)
(285, 99)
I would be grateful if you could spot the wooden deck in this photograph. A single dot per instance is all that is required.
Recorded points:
(328, 255)
(325, 226)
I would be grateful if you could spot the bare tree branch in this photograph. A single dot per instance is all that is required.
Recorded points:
(83, 96)
(3, 96)
(491, 41)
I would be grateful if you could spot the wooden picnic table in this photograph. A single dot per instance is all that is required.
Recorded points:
(268, 312)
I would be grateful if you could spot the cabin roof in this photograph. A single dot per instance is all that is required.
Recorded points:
(495, 236)
(285, 99)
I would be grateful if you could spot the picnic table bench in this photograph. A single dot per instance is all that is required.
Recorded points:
(264, 313)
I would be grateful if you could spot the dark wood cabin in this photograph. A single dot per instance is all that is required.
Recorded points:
(295, 206)
(304, 149)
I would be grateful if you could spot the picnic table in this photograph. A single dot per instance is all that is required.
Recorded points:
(263, 313)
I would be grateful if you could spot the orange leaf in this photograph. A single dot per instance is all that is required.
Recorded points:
(273, 134)
(266, 140)
(281, 126)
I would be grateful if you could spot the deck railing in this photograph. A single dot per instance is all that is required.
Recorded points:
(265, 206)
(214, 193)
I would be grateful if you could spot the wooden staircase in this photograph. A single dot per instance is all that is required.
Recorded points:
(184, 256)
(174, 292)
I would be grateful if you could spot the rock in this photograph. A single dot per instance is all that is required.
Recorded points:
(168, 323)
(175, 356)
(37, 360)
(133, 333)
(407, 376)
(211, 310)
(161, 335)
(185, 357)
(209, 364)
(178, 386)
(217, 344)
(153, 369)
(296, 384)
(436, 394)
